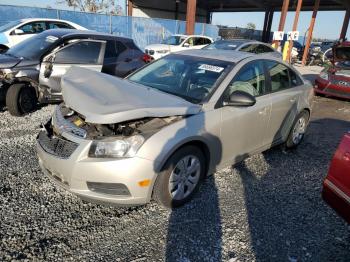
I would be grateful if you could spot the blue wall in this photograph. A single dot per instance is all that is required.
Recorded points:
(144, 31)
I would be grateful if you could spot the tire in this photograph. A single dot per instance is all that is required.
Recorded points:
(298, 129)
(162, 187)
(20, 99)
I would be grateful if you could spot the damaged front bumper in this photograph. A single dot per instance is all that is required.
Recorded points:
(102, 180)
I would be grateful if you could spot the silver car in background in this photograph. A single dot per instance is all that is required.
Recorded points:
(244, 45)
(158, 133)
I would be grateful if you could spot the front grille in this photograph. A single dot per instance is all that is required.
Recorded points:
(56, 146)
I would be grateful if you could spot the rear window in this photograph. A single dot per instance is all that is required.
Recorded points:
(342, 53)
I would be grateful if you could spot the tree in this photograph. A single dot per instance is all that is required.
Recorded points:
(251, 26)
(94, 6)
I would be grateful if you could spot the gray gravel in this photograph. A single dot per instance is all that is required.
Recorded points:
(268, 208)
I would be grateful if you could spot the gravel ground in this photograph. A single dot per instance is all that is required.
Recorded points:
(268, 208)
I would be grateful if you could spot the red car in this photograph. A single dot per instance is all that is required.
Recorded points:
(336, 80)
(336, 186)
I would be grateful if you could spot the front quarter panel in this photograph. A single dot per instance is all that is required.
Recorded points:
(203, 127)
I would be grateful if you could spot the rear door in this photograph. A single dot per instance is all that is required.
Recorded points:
(85, 53)
(285, 88)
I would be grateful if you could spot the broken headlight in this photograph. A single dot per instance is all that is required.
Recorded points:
(116, 148)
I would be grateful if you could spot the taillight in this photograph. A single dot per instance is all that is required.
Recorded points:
(147, 58)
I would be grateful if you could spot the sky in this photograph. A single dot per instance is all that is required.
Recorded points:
(328, 23)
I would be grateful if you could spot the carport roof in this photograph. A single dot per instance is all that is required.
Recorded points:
(243, 5)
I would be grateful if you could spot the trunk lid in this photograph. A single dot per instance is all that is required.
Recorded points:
(105, 99)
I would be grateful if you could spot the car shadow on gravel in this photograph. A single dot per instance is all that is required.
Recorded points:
(287, 217)
(195, 229)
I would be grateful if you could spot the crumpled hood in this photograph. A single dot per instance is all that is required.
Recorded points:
(8, 61)
(105, 99)
(158, 47)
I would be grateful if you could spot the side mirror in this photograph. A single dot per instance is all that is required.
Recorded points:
(240, 98)
(186, 45)
(18, 32)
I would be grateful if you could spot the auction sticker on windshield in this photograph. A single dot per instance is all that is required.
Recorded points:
(211, 68)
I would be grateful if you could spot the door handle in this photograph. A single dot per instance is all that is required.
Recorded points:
(292, 100)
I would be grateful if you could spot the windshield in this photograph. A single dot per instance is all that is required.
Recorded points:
(8, 26)
(173, 40)
(189, 77)
(33, 47)
(225, 45)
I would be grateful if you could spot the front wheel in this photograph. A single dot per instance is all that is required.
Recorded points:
(180, 178)
(297, 132)
(20, 99)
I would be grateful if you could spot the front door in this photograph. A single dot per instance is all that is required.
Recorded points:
(83, 53)
(243, 128)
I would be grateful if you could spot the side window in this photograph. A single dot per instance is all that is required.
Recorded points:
(33, 28)
(56, 25)
(263, 49)
(85, 52)
(190, 41)
(279, 76)
(250, 79)
(111, 50)
(294, 79)
(249, 48)
(206, 41)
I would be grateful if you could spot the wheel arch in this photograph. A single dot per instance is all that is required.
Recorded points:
(202, 145)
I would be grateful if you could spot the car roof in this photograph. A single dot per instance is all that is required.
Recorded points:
(71, 33)
(223, 55)
(42, 19)
(191, 35)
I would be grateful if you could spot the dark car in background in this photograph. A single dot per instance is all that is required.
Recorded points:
(335, 81)
(244, 45)
(31, 71)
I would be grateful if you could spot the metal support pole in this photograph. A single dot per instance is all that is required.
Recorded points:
(177, 9)
(345, 24)
(284, 12)
(208, 17)
(311, 29)
(295, 25)
(264, 32)
(190, 16)
(129, 7)
(269, 25)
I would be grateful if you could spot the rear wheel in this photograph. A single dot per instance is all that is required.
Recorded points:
(297, 132)
(180, 178)
(20, 99)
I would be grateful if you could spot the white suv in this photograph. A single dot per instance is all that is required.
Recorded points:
(16, 31)
(177, 43)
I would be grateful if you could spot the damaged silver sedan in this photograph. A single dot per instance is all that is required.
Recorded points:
(158, 133)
